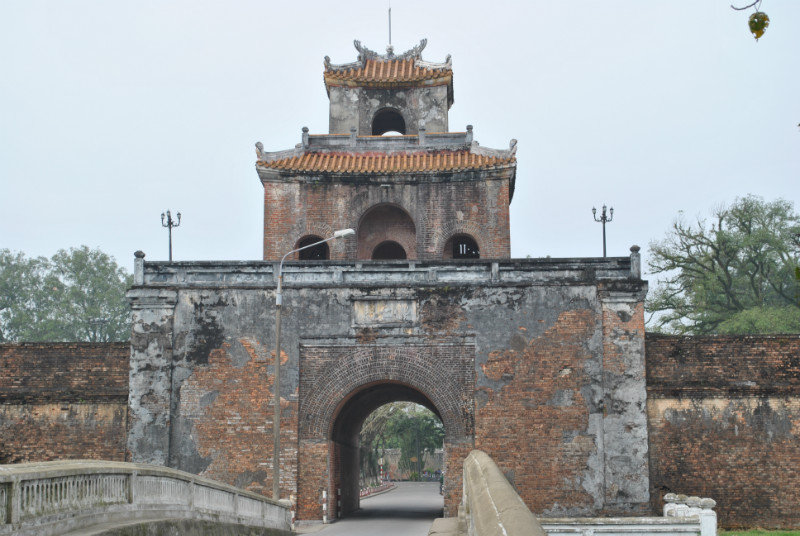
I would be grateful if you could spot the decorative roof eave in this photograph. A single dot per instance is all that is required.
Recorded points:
(333, 81)
(414, 54)
(348, 161)
(415, 72)
(505, 170)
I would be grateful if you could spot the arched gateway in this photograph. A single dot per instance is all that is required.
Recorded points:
(538, 362)
(341, 385)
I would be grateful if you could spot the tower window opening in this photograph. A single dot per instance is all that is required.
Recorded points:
(386, 121)
(465, 247)
(388, 250)
(316, 253)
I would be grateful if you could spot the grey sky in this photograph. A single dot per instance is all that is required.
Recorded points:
(112, 112)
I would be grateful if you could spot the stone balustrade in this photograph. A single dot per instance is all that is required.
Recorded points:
(54, 497)
(681, 506)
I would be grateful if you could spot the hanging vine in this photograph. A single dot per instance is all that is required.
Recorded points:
(758, 22)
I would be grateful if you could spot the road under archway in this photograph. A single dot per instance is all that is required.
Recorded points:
(345, 461)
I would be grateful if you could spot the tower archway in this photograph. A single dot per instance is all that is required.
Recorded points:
(386, 230)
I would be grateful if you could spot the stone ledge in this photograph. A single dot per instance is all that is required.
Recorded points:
(445, 526)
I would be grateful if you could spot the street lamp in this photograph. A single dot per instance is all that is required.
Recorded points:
(603, 219)
(169, 223)
(276, 422)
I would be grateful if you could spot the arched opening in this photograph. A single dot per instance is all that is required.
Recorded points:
(385, 224)
(389, 250)
(316, 253)
(388, 120)
(347, 450)
(461, 246)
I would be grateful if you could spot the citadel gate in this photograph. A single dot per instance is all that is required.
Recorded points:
(539, 362)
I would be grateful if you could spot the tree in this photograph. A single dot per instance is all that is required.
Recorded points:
(735, 276)
(77, 295)
(21, 293)
(404, 425)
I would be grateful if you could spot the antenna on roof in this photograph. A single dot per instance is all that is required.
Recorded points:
(390, 23)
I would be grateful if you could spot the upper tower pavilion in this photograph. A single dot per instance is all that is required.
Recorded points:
(389, 168)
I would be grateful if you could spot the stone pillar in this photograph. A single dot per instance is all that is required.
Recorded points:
(627, 476)
(708, 517)
(150, 374)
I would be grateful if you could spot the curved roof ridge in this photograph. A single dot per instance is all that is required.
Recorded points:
(413, 56)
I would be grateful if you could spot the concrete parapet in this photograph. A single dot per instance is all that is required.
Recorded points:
(490, 504)
(491, 507)
(446, 526)
(55, 497)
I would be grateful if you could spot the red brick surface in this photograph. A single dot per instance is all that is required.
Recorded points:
(538, 437)
(63, 401)
(232, 411)
(724, 422)
(478, 207)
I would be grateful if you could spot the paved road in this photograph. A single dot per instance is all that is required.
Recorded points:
(407, 510)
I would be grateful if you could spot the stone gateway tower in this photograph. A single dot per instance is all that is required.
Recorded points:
(539, 362)
(424, 193)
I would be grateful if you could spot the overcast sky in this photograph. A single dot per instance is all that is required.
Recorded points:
(113, 112)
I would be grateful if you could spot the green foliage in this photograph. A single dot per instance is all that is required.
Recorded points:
(758, 23)
(736, 275)
(410, 427)
(76, 295)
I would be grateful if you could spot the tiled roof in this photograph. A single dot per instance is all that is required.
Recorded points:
(385, 73)
(375, 163)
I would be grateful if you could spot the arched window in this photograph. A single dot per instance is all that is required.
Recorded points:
(461, 246)
(318, 252)
(388, 250)
(388, 120)
(383, 224)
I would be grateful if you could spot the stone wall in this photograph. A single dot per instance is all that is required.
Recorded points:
(356, 107)
(724, 422)
(63, 401)
(723, 412)
(538, 362)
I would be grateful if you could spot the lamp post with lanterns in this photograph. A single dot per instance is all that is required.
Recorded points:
(604, 218)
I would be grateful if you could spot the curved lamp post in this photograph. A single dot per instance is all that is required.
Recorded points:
(604, 219)
(170, 224)
(276, 422)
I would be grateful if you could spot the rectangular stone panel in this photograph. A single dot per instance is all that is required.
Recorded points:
(375, 313)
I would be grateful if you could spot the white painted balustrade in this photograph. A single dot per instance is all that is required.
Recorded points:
(50, 498)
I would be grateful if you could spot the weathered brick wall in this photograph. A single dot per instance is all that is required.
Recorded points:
(724, 422)
(534, 361)
(475, 203)
(63, 400)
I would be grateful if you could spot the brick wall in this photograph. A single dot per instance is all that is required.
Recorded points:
(474, 203)
(724, 422)
(63, 401)
(542, 406)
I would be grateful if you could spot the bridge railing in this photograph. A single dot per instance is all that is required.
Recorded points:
(53, 497)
